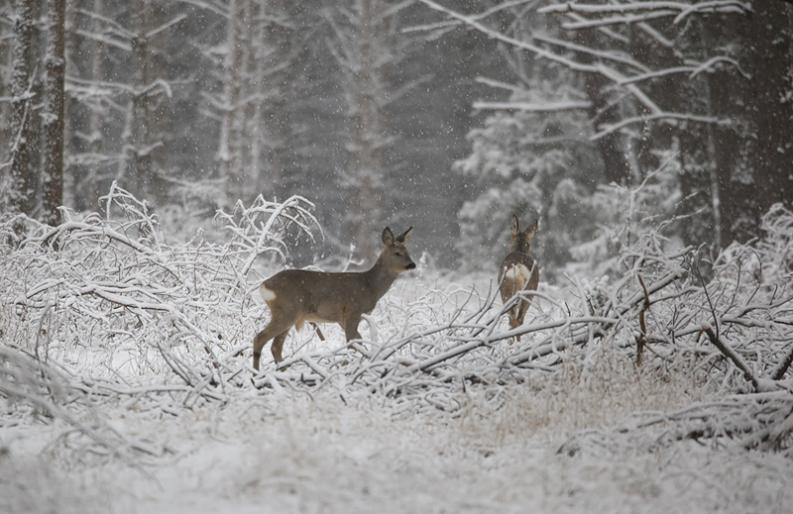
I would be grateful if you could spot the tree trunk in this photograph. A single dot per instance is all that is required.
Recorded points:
(272, 117)
(87, 187)
(22, 193)
(229, 145)
(254, 90)
(770, 107)
(73, 114)
(367, 133)
(753, 155)
(612, 147)
(141, 112)
(53, 112)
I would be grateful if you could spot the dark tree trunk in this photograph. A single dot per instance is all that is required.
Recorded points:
(53, 112)
(22, 190)
(605, 111)
(141, 161)
(754, 156)
(770, 107)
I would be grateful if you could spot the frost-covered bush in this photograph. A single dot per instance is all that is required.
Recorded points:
(120, 274)
(625, 222)
(128, 317)
(768, 259)
(131, 299)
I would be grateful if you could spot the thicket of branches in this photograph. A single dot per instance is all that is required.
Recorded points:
(110, 288)
(104, 309)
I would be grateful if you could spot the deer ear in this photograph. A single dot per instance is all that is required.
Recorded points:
(532, 229)
(388, 237)
(515, 226)
(404, 236)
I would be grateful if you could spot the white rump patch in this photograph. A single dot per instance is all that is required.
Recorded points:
(517, 274)
(267, 294)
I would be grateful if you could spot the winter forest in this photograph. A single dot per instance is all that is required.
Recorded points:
(396, 256)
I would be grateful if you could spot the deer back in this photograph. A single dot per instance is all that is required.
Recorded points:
(336, 296)
(519, 270)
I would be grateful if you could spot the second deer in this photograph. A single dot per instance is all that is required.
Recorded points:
(296, 296)
(519, 271)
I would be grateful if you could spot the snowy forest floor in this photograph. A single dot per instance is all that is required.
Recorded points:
(289, 451)
(295, 454)
(126, 383)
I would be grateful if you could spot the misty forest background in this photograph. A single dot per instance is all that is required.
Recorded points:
(448, 117)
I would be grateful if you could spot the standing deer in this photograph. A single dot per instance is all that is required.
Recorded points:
(295, 296)
(519, 271)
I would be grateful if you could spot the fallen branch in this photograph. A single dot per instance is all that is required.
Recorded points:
(731, 355)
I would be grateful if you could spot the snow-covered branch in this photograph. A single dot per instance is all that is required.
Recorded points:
(534, 107)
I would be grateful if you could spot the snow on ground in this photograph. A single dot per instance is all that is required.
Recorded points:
(298, 455)
(293, 451)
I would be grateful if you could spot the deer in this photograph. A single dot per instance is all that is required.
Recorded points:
(295, 296)
(519, 271)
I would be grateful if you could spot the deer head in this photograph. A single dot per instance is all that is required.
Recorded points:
(521, 240)
(394, 256)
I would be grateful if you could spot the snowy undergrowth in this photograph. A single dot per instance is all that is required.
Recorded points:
(127, 386)
(320, 455)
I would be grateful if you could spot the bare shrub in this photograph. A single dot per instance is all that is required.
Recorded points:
(135, 305)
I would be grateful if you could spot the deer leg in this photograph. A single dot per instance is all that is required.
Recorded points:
(278, 345)
(523, 306)
(350, 327)
(507, 293)
(516, 316)
(318, 331)
(523, 303)
(513, 317)
(275, 327)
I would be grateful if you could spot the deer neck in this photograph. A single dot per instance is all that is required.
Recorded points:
(516, 248)
(380, 278)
